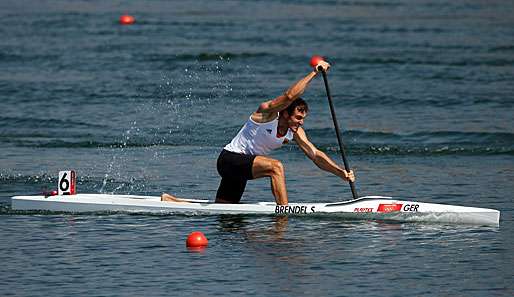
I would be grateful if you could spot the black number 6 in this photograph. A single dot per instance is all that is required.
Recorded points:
(64, 183)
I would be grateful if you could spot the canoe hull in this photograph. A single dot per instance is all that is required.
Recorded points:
(368, 208)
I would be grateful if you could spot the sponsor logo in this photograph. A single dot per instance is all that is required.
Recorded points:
(269, 131)
(363, 209)
(389, 207)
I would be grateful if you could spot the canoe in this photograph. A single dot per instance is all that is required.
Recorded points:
(366, 208)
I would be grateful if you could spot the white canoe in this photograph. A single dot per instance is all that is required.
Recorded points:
(369, 207)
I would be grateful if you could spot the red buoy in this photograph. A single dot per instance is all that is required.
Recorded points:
(196, 239)
(127, 19)
(315, 60)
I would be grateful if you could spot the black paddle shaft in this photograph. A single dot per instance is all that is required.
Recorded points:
(338, 133)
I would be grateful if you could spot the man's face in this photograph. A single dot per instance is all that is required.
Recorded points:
(295, 120)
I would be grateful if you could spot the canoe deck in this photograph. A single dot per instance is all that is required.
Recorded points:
(368, 208)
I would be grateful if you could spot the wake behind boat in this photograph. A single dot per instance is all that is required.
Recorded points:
(366, 208)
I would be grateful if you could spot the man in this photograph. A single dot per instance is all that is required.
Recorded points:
(275, 123)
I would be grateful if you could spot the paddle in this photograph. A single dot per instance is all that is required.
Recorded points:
(315, 60)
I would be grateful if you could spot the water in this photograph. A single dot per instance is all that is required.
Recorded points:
(422, 89)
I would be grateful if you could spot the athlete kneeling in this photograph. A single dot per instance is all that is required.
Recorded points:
(275, 123)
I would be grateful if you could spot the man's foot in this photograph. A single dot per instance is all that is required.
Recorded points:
(171, 198)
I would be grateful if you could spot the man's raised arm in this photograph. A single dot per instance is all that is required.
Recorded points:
(295, 91)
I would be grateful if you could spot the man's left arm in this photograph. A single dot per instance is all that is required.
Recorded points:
(320, 158)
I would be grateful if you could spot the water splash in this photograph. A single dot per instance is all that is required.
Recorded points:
(177, 107)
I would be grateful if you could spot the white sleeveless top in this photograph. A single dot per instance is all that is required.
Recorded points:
(257, 138)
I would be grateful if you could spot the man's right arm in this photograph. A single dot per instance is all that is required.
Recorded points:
(319, 158)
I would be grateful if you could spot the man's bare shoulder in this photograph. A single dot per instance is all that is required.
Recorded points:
(261, 117)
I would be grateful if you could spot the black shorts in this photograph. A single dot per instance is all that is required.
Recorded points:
(235, 169)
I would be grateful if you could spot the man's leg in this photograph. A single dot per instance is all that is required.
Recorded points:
(168, 197)
(230, 190)
(264, 166)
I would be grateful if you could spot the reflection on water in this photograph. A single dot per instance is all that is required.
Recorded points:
(255, 228)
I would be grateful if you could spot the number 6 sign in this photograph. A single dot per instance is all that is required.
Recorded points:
(66, 183)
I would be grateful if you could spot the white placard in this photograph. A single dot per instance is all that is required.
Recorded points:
(66, 182)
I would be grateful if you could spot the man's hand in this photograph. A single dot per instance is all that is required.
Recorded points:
(322, 64)
(349, 176)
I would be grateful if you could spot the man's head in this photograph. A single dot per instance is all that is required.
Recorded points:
(295, 114)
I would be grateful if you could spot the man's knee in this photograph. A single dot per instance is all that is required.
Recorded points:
(277, 168)
(267, 167)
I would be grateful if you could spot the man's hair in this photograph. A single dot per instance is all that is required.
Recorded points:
(298, 102)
